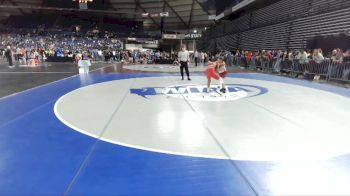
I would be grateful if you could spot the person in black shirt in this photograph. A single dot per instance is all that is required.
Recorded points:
(8, 55)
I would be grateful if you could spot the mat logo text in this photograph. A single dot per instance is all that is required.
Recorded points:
(199, 92)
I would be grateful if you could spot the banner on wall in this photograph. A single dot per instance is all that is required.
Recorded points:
(173, 36)
(164, 14)
(169, 36)
(193, 36)
(133, 46)
(155, 15)
(153, 46)
(182, 36)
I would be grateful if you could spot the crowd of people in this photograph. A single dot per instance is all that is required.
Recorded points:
(274, 58)
(33, 48)
(282, 61)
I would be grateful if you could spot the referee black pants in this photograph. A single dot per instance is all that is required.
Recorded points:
(184, 65)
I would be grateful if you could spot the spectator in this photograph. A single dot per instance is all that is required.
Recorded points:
(264, 60)
(8, 55)
(229, 58)
(237, 58)
(337, 56)
(347, 56)
(303, 57)
(317, 56)
(196, 57)
(277, 61)
(202, 55)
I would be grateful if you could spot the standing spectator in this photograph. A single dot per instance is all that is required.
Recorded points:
(248, 57)
(100, 55)
(243, 59)
(2, 53)
(270, 57)
(317, 56)
(23, 56)
(264, 60)
(277, 61)
(196, 56)
(337, 55)
(8, 55)
(114, 54)
(237, 58)
(253, 62)
(296, 61)
(157, 54)
(202, 58)
(229, 58)
(17, 54)
(347, 56)
(303, 57)
(118, 56)
(183, 58)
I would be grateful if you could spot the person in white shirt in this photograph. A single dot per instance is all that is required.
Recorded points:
(100, 54)
(302, 56)
(318, 56)
(18, 53)
(114, 55)
(202, 58)
(183, 58)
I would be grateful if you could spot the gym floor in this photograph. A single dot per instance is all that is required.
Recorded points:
(141, 130)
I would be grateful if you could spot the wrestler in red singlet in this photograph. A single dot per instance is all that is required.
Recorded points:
(212, 72)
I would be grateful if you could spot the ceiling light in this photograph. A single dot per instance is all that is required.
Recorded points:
(83, 1)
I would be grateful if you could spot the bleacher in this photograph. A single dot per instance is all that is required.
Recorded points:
(283, 24)
(65, 22)
(326, 24)
(318, 6)
(270, 37)
(230, 41)
(278, 12)
(238, 25)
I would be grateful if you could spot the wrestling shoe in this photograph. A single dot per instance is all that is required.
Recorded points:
(223, 90)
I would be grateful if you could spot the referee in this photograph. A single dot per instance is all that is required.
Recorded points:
(183, 58)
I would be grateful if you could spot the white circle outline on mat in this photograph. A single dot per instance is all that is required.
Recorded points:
(129, 145)
(198, 155)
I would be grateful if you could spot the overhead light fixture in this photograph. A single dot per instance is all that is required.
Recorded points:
(164, 14)
(145, 15)
(84, 1)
